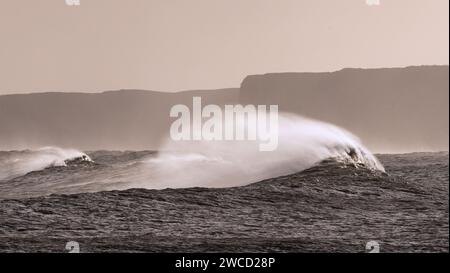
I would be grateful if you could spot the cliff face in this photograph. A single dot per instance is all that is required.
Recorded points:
(395, 109)
(391, 110)
(130, 119)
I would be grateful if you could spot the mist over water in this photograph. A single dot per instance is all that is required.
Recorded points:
(302, 143)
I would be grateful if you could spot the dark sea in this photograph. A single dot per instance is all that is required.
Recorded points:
(102, 201)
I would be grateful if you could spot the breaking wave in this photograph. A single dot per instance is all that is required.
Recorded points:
(17, 163)
(303, 143)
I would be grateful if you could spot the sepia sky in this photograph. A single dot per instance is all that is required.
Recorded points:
(171, 45)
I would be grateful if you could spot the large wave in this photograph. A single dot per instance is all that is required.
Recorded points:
(18, 163)
(303, 143)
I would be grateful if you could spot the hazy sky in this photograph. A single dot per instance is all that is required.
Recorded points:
(171, 45)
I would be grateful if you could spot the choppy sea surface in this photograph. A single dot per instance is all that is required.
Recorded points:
(98, 200)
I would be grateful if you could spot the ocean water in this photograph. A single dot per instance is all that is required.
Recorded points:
(321, 190)
(334, 205)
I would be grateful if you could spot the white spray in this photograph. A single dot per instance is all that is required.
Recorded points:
(19, 163)
(302, 143)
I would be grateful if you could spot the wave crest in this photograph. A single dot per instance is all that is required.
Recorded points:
(18, 163)
(303, 143)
